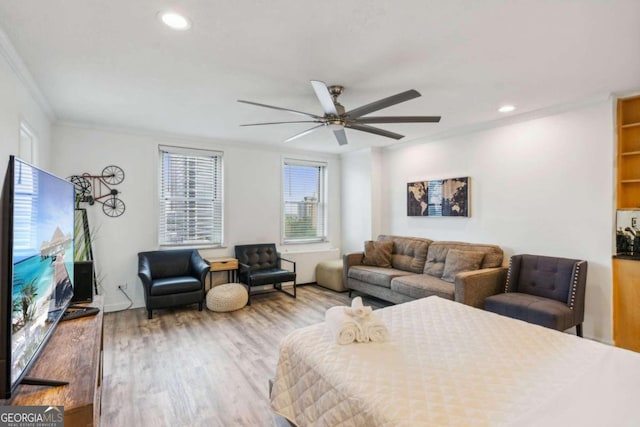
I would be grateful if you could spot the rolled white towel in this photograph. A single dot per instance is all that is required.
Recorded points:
(358, 309)
(345, 328)
(374, 329)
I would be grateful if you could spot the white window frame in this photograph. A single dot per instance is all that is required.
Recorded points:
(27, 144)
(162, 240)
(322, 201)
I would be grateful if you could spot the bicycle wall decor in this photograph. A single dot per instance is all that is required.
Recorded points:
(99, 188)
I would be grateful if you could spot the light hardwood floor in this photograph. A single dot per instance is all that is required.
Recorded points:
(191, 368)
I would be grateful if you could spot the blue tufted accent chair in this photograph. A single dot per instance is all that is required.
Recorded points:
(170, 278)
(544, 290)
(260, 264)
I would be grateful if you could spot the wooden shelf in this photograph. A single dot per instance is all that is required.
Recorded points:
(73, 354)
(629, 112)
(628, 167)
(630, 125)
(626, 273)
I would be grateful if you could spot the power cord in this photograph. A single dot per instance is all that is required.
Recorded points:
(125, 294)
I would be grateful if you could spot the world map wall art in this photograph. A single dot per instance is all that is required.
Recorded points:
(440, 197)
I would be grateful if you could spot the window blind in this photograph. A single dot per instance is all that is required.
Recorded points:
(304, 198)
(25, 205)
(191, 203)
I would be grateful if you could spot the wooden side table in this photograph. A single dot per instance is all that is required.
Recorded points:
(228, 264)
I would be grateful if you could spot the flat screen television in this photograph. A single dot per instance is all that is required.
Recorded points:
(36, 260)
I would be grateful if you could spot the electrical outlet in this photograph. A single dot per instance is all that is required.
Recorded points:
(634, 222)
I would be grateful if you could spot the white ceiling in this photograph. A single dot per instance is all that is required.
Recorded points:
(112, 63)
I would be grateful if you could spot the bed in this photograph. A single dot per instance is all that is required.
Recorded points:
(448, 364)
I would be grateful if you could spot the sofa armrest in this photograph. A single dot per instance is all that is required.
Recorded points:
(198, 267)
(349, 260)
(472, 287)
(144, 272)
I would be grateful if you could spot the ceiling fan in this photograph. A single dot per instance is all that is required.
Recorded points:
(336, 118)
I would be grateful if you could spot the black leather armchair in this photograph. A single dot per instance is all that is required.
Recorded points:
(261, 264)
(170, 278)
(544, 290)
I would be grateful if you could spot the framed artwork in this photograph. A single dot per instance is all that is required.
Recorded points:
(440, 197)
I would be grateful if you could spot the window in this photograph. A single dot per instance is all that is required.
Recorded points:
(191, 203)
(304, 202)
(27, 145)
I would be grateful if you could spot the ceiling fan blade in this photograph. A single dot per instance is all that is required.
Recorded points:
(303, 133)
(302, 113)
(320, 88)
(280, 123)
(371, 129)
(398, 119)
(341, 136)
(383, 103)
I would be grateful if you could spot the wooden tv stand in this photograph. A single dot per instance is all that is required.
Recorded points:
(73, 354)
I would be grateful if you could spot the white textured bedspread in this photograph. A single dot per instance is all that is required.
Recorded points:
(448, 364)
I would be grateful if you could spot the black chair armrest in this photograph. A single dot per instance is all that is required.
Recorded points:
(199, 267)
(144, 271)
(288, 260)
(244, 267)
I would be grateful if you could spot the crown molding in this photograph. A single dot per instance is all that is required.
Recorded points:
(201, 141)
(23, 74)
(509, 120)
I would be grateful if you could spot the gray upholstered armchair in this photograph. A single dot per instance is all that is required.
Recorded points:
(171, 278)
(260, 264)
(544, 290)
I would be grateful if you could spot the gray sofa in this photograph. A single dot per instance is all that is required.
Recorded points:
(417, 267)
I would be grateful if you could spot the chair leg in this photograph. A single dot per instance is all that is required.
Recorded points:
(350, 293)
(200, 306)
(579, 330)
(281, 289)
(149, 314)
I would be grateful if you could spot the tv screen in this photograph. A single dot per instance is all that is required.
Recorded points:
(37, 265)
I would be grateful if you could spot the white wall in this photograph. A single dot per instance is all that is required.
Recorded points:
(357, 203)
(17, 103)
(543, 186)
(252, 198)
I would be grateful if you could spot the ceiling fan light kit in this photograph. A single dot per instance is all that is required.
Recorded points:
(336, 118)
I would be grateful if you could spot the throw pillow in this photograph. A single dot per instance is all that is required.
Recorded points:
(377, 253)
(458, 261)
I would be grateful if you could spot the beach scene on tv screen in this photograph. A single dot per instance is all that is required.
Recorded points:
(43, 213)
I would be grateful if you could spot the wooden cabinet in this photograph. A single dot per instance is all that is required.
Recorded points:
(73, 354)
(626, 303)
(628, 177)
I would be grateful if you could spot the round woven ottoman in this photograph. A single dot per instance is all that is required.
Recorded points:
(329, 275)
(227, 297)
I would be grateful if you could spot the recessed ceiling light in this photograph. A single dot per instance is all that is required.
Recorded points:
(506, 108)
(175, 20)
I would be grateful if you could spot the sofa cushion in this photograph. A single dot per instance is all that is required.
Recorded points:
(377, 253)
(422, 285)
(531, 308)
(437, 255)
(409, 253)
(378, 276)
(458, 261)
(174, 285)
(546, 277)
